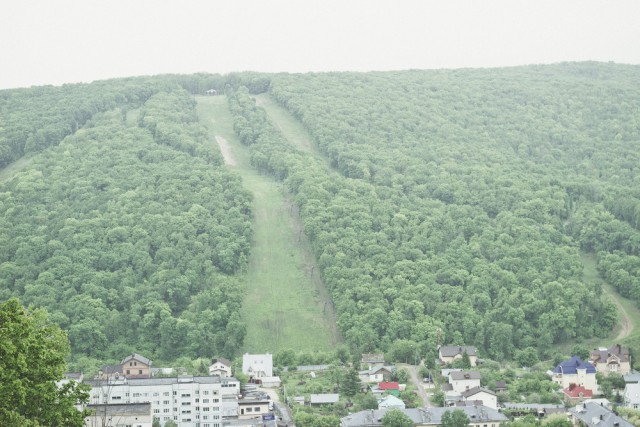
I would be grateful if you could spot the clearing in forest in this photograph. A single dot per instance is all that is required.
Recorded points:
(286, 305)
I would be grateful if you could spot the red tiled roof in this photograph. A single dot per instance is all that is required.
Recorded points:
(577, 391)
(389, 386)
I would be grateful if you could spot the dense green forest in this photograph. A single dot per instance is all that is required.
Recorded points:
(130, 233)
(459, 199)
(456, 201)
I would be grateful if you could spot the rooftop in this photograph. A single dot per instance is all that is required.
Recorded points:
(571, 366)
(454, 350)
(424, 416)
(464, 375)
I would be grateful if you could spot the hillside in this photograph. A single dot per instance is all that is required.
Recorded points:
(458, 200)
(285, 305)
(451, 202)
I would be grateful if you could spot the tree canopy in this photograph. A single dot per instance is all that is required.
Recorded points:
(32, 361)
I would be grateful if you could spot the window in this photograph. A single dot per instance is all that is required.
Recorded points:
(257, 409)
(128, 372)
(116, 397)
(216, 417)
(156, 411)
(205, 400)
(197, 400)
(249, 410)
(166, 393)
(216, 400)
(205, 409)
(156, 394)
(186, 403)
(165, 410)
(140, 371)
(136, 394)
(166, 402)
(205, 392)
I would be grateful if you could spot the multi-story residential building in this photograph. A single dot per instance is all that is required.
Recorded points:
(575, 371)
(119, 414)
(188, 401)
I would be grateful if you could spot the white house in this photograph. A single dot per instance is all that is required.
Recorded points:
(257, 365)
(463, 380)
(189, 401)
(486, 396)
(390, 402)
(220, 367)
(632, 396)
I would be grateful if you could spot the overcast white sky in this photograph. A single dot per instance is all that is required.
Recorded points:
(59, 41)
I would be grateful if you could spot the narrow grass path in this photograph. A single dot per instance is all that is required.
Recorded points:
(628, 311)
(285, 306)
(290, 127)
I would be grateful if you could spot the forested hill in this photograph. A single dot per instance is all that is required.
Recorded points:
(129, 231)
(456, 201)
(459, 199)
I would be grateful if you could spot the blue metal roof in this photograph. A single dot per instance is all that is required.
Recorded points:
(572, 365)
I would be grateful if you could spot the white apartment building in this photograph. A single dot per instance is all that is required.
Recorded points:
(188, 401)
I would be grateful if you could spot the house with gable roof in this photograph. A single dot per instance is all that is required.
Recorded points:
(372, 360)
(136, 366)
(613, 359)
(451, 353)
(592, 414)
(257, 365)
(575, 371)
(390, 401)
(481, 394)
(463, 380)
(632, 396)
(576, 393)
(220, 367)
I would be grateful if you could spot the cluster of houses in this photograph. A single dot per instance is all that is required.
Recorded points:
(133, 393)
(464, 391)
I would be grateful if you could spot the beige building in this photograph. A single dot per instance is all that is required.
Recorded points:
(614, 359)
(450, 353)
(136, 366)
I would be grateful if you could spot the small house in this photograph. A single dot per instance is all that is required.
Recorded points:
(390, 387)
(220, 367)
(324, 399)
(136, 366)
(450, 353)
(391, 402)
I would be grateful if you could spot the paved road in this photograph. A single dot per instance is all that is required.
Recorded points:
(281, 410)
